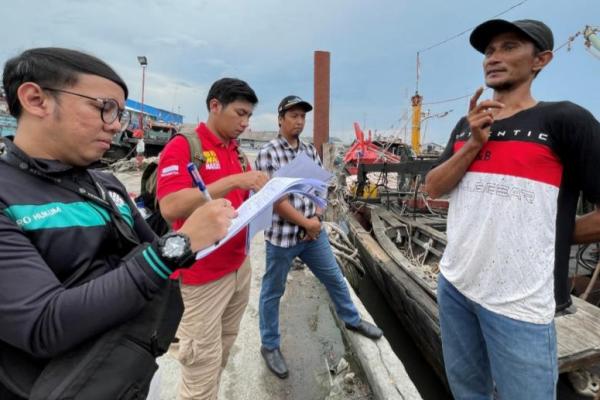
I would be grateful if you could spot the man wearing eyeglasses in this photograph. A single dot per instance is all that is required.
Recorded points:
(76, 258)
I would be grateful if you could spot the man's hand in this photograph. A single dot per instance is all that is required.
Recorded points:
(587, 227)
(481, 117)
(443, 178)
(208, 223)
(251, 180)
(312, 226)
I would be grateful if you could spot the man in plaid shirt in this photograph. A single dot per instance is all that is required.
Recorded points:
(296, 232)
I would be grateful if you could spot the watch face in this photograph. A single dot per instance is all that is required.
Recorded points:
(174, 247)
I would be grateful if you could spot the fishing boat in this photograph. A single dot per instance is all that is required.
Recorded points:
(364, 151)
(8, 124)
(154, 125)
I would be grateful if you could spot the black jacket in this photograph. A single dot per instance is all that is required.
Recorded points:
(50, 235)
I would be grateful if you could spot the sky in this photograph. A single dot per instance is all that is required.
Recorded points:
(271, 43)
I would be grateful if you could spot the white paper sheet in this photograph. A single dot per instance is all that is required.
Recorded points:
(302, 166)
(258, 209)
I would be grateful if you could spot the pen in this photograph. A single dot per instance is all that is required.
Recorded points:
(193, 170)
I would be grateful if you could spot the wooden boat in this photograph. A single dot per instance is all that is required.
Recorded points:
(8, 124)
(401, 251)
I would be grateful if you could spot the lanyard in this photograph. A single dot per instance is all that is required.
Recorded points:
(17, 161)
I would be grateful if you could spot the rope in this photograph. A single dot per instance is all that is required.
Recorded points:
(346, 254)
(452, 38)
(450, 100)
(470, 29)
(426, 201)
(592, 283)
(568, 43)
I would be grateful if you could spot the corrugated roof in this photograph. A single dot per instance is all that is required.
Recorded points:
(159, 114)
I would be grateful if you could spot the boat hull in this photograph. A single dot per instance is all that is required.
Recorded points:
(413, 306)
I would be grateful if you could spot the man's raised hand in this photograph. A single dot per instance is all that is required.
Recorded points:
(481, 117)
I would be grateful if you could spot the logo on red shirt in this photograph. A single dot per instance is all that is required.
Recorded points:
(212, 161)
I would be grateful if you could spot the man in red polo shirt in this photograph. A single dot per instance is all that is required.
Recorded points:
(215, 289)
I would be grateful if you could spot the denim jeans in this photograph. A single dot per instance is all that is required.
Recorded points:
(319, 258)
(483, 349)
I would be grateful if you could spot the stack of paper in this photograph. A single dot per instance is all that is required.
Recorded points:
(257, 211)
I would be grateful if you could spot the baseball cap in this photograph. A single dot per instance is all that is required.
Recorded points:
(536, 31)
(293, 101)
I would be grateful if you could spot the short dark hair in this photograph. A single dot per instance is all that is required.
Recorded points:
(52, 67)
(228, 90)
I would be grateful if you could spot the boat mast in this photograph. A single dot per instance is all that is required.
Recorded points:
(417, 101)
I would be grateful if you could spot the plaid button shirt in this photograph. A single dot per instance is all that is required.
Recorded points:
(271, 157)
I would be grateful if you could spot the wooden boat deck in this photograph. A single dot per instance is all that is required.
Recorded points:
(578, 336)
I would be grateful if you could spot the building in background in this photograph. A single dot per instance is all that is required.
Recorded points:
(157, 128)
(255, 139)
(8, 125)
(151, 114)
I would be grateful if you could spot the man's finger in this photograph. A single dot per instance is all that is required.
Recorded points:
(473, 101)
(484, 105)
(476, 121)
(482, 122)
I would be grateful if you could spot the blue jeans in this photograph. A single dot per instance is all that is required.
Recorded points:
(318, 256)
(482, 349)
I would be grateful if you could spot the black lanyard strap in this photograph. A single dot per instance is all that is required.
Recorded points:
(19, 162)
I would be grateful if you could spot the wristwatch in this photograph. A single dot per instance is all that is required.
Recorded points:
(175, 250)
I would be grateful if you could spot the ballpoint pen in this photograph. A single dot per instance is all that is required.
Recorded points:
(195, 174)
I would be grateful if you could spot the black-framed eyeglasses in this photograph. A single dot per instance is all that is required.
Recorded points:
(109, 111)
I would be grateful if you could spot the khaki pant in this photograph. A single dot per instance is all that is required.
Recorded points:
(209, 326)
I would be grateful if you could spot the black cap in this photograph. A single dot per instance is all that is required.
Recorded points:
(293, 101)
(536, 31)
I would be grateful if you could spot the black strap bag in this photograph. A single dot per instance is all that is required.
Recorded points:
(120, 363)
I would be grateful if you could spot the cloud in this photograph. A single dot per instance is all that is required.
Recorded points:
(171, 40)
(264, 122)
(270, 44)
(166, 91)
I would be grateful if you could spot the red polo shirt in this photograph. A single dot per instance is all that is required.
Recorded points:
(221, 161)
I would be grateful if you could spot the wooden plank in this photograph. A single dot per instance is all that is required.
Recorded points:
(389, 217)
(432, 220)
(578, 336)
(422, 272)
(390, 248)
(424, 245)
(417, 224)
